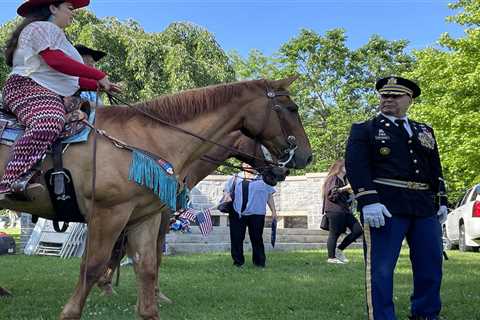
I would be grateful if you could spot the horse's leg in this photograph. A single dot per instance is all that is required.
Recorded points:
(105, 281)
(142, 245)
(103, 230)
(164, 227)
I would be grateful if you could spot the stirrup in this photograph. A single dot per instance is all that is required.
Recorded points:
(19, 187)
(28, 194)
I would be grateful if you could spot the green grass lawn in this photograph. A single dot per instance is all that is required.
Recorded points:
(299, 285)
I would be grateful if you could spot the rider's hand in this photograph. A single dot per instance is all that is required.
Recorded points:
(373, 214)
(108, 86)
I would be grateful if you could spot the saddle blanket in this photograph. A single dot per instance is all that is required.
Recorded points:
(12, 134)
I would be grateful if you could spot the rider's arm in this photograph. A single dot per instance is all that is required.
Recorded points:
(88, 84)
(60, 62)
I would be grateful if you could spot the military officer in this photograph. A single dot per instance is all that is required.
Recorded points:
(394, 169)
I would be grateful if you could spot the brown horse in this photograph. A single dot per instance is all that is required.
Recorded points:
(261, 109)
(196, 173)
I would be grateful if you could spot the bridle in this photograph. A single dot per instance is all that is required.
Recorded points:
(277, 107)
(273, 104)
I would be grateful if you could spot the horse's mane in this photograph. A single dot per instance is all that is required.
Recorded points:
(183, 106)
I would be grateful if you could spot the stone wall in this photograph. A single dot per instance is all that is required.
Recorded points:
(296, 197)
(298, 201)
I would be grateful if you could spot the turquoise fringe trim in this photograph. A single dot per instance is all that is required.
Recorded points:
(184, 198)
(145, 171)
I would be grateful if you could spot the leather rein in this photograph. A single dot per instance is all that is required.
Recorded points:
(273, 104)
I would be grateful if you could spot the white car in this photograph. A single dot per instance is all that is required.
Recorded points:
(462, 228)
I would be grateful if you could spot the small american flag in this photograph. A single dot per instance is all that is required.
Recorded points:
(188, 214)
(204, 220)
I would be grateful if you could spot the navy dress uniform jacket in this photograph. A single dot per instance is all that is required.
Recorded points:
(378, 148)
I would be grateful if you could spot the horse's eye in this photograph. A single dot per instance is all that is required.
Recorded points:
(292, 108)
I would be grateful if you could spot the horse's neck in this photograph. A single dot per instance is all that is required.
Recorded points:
(179, 148)
(201, 168)
(214, 126)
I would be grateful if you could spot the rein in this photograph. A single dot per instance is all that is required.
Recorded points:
(271, 95)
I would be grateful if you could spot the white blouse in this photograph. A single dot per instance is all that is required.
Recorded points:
(34, 38)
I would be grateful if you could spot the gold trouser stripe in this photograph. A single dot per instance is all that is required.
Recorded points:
(368, 270)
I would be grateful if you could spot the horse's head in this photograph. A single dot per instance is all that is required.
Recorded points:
(261, 160)
(272, 118)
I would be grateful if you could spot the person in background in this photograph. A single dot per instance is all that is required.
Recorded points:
(251, 197)
(337, 197)
(90, 58)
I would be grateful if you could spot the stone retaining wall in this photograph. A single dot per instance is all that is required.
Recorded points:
(298, 201)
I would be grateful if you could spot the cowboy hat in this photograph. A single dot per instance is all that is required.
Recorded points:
(29, 5)
(84, 50)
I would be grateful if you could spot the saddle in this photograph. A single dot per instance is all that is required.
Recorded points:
(58, 179)
(76, 110)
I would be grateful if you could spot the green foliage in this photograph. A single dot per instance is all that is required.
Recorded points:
(183, 56)
(450, 102)
(336, 83)
(5, 31)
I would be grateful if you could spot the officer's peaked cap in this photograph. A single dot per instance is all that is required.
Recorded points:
(397, 85)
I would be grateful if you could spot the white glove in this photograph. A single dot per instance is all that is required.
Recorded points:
(442, 214)
(373, 214)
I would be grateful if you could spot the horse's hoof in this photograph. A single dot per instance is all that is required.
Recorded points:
(4, 293)
(63, 317)
(69, 316)
(108, 291)
(161, 298)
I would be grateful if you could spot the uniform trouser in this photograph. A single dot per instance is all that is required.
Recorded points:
(382, 247)
(238, 226)
(42, 113)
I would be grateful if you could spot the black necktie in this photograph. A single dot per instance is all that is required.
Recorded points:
(245, 184)
(401, 125)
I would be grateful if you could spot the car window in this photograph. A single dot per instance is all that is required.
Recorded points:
(474, 194)
(465, 198)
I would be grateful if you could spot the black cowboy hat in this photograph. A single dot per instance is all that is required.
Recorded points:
(397, 85)
(27, 7)
(84, 50)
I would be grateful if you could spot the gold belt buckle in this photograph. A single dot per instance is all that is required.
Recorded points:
(413, 185)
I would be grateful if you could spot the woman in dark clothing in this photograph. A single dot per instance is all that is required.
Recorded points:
(337, 197)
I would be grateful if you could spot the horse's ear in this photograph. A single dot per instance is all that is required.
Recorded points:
(284, 83)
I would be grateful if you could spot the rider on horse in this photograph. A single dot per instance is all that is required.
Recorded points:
(45, 69)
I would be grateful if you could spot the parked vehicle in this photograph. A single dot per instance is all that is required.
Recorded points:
(462, 228)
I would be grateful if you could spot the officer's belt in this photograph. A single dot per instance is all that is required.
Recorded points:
(402, 184)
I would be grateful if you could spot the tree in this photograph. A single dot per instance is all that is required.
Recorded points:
(5, 31)
(450, 102)
(336, 83)
(181, 57)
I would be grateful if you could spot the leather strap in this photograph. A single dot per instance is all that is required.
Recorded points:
(57, 228)
(59, 174)
(3, 125)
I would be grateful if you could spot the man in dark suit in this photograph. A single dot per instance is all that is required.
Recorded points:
(394, 169)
